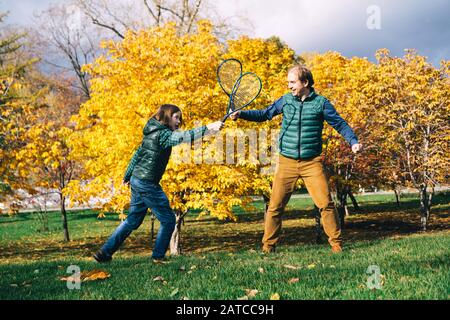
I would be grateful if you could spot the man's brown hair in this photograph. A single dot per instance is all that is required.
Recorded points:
(165, 113)
(303, 73)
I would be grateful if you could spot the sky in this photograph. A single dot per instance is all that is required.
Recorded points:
(352, 27)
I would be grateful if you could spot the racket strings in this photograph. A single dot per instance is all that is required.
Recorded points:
(228, 73)
(245, 91)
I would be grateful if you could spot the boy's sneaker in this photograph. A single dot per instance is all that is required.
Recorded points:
(159, 260)
(101, 257)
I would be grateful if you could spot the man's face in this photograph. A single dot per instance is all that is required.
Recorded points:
(175, 121)
(297, 87)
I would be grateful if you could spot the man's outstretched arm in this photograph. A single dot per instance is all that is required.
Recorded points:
(260, 115)
(340, 125)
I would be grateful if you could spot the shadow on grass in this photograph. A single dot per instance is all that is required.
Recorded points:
(375, 221)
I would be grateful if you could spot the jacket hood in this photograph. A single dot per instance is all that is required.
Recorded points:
(153, 125)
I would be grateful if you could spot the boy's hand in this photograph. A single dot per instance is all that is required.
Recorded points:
(356, 147)
(235, 115)
(215, 126)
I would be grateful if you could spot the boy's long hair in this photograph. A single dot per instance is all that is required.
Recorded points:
(165, 113)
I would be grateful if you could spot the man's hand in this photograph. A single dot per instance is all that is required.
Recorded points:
(235, 115)
(356, 147)
(215, 126)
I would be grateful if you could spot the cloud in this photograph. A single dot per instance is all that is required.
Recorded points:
(322, 25)
(21, 11)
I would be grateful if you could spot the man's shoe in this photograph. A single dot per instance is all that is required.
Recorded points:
(268, 250)
(336, 248)
(101, 257)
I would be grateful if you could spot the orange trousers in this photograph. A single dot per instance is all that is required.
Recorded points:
(287, 172)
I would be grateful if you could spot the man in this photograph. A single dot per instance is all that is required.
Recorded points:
(300, 145)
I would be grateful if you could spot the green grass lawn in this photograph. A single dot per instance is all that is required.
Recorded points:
(222, 260)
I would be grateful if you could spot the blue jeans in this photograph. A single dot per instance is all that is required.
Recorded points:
(144, 195)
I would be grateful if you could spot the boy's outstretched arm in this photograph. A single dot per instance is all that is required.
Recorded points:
(172, 138)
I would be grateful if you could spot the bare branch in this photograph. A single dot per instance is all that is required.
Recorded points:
(156, 17)
(98, 23)
(194, 15)
(172, 12)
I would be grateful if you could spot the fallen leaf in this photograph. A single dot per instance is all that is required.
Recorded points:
(251, 293)
(311, 266)
(158, 278)
(70, 278)
(287, 266)
(88, 276)
(275, 296)
(193, 267)
(261, 270)
(94, 275)
(182, 268)
(174, 292)
(243, 298)
(293, 280)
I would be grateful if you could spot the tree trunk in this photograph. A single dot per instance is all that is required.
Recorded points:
(175, 248)
(64, 217)
(355, 203)
(318, 227)
(266, 203)
(340, 206)
(397, 196)
(425, 204)
(341, 214)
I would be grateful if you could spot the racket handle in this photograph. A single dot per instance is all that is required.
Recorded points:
(226, 117)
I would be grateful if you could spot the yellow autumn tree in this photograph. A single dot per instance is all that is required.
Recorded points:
(18, 105)
(157, 66)
(409, 102)
(43, 158)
